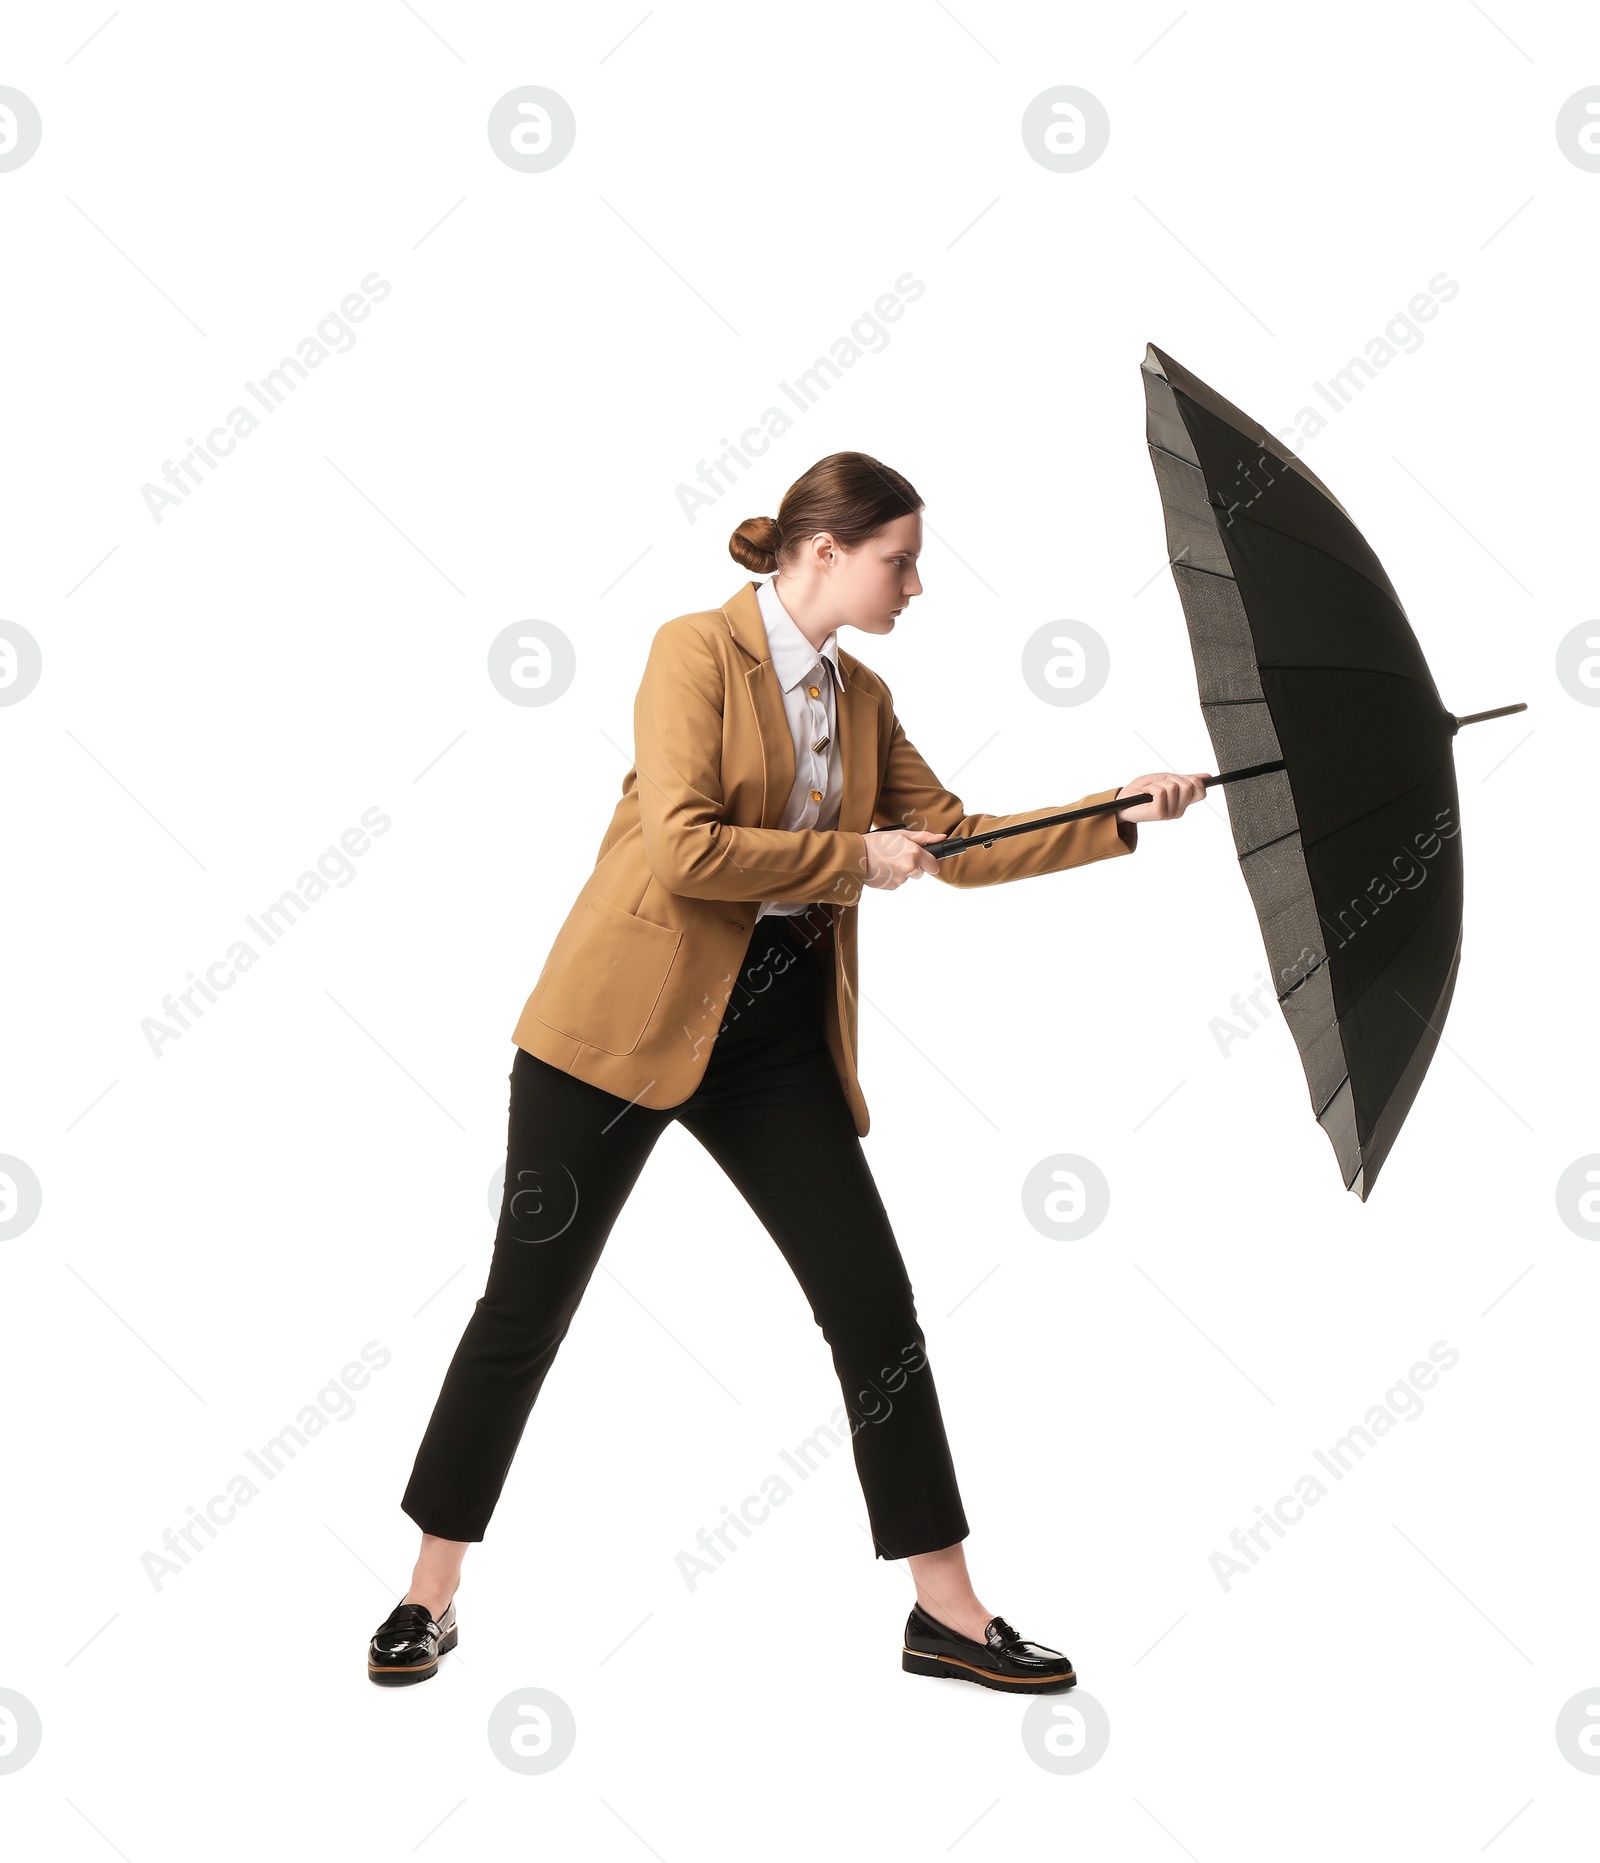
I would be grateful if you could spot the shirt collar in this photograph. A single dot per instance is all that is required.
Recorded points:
(793, 656)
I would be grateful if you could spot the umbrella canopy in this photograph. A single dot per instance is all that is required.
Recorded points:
(1352, 852)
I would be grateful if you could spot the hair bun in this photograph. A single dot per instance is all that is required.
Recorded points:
(755, 545)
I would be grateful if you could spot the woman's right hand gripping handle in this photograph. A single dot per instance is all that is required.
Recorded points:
(895, 855)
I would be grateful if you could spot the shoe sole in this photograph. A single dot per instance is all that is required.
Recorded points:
(915, 1662)
(393, 1675)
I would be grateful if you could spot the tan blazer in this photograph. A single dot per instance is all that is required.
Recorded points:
(634, 988)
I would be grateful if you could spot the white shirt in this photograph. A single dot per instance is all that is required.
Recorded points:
(810, 680)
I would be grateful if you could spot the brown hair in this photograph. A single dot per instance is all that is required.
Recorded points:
(850, 494)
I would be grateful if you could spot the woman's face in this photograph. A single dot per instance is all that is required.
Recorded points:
(868, 587)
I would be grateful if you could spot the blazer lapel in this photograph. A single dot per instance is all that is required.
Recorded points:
(858, 750)
(857, 723)
(743, 615)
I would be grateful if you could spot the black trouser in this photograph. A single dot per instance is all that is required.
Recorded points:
(772, 1113)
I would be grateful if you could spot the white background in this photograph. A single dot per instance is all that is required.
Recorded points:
(309, 1167)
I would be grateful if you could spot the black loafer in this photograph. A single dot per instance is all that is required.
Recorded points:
(1002, 1660)
(407, 1645)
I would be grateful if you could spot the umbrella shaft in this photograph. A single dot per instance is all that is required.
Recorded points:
(962, 842)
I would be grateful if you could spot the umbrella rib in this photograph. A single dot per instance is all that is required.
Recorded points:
(1262, 846)
(1199, 569)
(1303, 666)
(1292, 462)
(1387, 802)
(1327, 958)
(1388, 962)
(1245, 853)
(1299, 983)
(1156, 447)
(1386, 588)
(1280, 666)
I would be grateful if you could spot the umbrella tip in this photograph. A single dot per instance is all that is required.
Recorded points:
(1500, 711)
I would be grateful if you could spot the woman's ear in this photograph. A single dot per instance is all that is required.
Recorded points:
(822, 549)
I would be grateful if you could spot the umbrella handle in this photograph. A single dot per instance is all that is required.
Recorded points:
(960, 843)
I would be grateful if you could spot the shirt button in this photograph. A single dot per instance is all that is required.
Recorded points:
(816, 795)
(815, 691)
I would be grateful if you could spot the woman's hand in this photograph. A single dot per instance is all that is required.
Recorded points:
(1169, 796)
(895, 855)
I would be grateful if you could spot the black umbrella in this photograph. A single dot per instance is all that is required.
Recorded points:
(1352, 853)
(1312, 683)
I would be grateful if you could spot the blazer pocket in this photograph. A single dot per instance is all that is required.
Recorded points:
(605, 975)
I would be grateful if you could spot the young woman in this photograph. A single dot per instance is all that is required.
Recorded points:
(707, 974)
